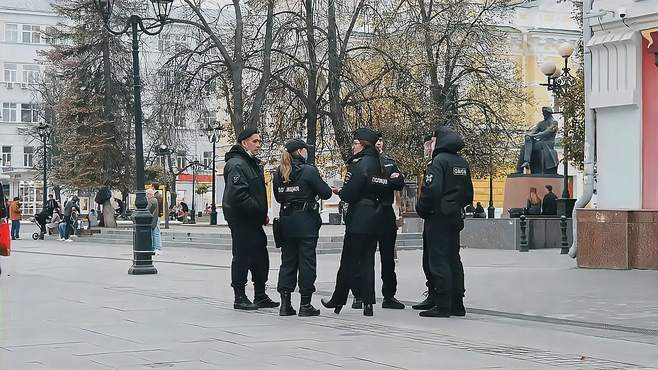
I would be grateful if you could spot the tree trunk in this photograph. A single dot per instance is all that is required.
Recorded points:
(261, 91)
(336, 107)
(236, 72)
(312, 97)
(108, 214)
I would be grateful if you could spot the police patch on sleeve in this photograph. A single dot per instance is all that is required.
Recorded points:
(348, 176)
(428, 178)
(459, 171)
(236, 179)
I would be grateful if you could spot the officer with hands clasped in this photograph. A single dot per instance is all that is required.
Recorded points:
(363, 190)
(447, 189)
(387, 231)
(297, 185)
(245, 209)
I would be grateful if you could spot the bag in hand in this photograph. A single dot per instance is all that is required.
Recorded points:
(5, 239)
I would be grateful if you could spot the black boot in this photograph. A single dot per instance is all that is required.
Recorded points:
(357, 303)
(241, 301)
(436, 311)
(286, 306)
(306, 308)
(367, 309)
(262, 300)
(458, 308)
(425, 304)
(392, 303)
(331, 304)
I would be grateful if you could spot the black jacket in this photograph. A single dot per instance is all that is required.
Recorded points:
(299, 214)
(245, 197)
(447, 186)
(364, 189)
(549, 205)
(389, 167)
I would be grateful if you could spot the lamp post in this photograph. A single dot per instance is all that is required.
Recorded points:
(213, 132)
(164, 151)
(558, 81)
(142, 250)
(44, 132)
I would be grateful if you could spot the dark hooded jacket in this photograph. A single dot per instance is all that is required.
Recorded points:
(70, 205)
(364, 188)
(299, 214)
(245, 197)
(447, 186)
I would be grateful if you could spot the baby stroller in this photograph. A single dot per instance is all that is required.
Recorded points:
(40, 219)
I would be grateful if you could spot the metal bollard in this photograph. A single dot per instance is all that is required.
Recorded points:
(563, 230)
(524, 236)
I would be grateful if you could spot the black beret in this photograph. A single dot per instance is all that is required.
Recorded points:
(294, 144)
(246, 133)
(366, 134)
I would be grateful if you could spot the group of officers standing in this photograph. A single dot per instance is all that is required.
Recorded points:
(368, 188)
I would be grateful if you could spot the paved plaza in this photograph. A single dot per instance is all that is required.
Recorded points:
(73, 306)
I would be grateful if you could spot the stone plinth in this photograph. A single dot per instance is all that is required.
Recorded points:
(505, 233)
(517, 189)
(617, 239)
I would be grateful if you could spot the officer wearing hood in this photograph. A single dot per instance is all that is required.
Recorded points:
(446, 190)
(364, 188)
(297, 185)
(245, 208)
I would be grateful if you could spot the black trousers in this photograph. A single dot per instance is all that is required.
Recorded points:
(249, 246)
(298, 257)
(443, 260)
(358, 253)
(386, 241)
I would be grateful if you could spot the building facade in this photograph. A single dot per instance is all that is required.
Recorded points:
(22, 24)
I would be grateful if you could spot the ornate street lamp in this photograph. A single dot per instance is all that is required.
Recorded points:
(44, 133)
(213, 131)
(559, 81)
(142, 250)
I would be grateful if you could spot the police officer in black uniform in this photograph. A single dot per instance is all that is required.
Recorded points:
(447, 189)
(363, 190)
(245, 209)
(297, 185)
(388, 231)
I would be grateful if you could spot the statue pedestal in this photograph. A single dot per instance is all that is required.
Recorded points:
(517, 189)
(565, 207)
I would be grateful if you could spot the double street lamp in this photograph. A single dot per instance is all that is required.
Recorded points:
(142, 247)
(559, 81)
(44, 133)
(213, 131)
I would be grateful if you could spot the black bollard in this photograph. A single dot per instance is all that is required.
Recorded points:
(563, 229)
(524, 236)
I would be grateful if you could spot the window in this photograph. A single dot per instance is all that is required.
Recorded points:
(31, 34)
(179, 119)
(172, 42)
(29, 113)
(31, 73)
(181, 161)
(10, 72)
(9, 112)
(207, 159)
(28, 156)
(11, 32)
(6, 156)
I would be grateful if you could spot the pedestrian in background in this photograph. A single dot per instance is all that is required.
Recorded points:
(155, 221)
(15, 215)
(533, 206)
(297, 185)
(447, 189)
(549, 204)
(71, 211)
(363, 190)
(245, 208)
